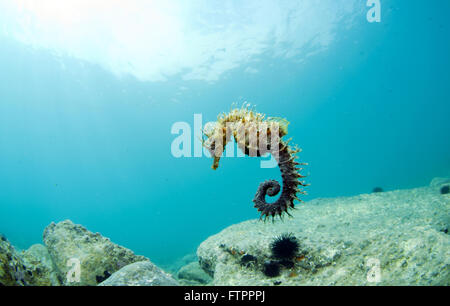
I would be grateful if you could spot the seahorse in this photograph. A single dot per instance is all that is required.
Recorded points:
(257, 135)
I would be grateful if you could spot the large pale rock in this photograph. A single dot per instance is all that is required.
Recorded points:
(140, 274)
(82, 257)
(390, 238)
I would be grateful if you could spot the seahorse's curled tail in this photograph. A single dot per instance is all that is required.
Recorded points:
(290, 175)
(257, 136)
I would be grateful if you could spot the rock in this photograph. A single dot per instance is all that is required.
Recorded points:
(32, 267)
(192, 272)
(390, 238)
(40, 265)
(12, 270)
(82, 257)
(438, 182)
(142, 273)
(176, 265)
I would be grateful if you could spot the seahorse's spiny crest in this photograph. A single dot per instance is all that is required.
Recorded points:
(257, 135)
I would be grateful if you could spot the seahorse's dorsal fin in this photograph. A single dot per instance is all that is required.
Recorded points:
(283, 124)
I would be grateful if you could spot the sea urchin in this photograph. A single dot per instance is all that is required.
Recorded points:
(285, 246)
(271, 269)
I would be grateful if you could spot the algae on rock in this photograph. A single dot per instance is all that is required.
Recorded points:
(12, 272)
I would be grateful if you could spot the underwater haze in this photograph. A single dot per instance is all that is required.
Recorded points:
(90, 91)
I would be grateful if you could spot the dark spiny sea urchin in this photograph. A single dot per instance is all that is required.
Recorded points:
(377, 190)
(271, 268)
(285, 246)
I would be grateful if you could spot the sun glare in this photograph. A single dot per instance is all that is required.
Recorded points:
(154, 39)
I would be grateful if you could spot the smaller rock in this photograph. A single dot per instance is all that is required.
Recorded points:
(40, 266)
(142, 273)
(439, 181)
(193, 272)
(176, 265)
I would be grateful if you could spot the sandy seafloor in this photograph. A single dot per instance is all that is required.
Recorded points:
(389, 238)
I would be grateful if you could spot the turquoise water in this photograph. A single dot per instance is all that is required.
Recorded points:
(90, 140)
